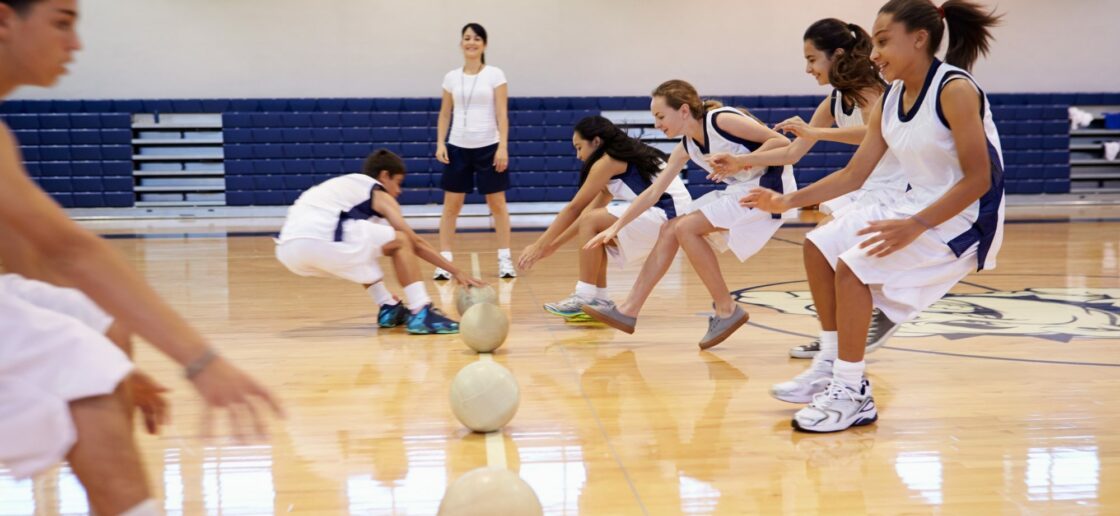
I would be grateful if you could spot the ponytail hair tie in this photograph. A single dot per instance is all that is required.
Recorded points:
(941, 12)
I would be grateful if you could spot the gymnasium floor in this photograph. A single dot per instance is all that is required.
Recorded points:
(996, 400)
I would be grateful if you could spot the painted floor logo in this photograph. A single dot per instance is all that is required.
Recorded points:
(1058, 314)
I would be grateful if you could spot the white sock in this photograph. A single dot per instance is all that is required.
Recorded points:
(850, 374)
(585, 290)
(601, 293)
(830, 346)
(503, 254)
(381, 294)
(417, 296)
(447, 256)
(146, 508)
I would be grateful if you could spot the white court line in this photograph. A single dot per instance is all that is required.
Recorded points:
(495, 444)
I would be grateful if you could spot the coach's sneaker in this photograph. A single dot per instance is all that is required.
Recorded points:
(391, 316)
(838, 408)
(880, 330)
(431, 320)
(505, 268)
(568, 307)
(441, 275)
(804, 386)
(719, 329)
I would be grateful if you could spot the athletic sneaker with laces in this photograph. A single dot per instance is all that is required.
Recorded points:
(505, 268)
(601, 304)
(441, 275)
(837, 408)
(720, 328)
(570, 306)
(430, 319)
(880, 330)
(391, 316)
(804, 386)
(878, 333)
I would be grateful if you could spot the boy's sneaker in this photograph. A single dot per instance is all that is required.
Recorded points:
(505, 268)
(837, 408)
(431, 320)
(568, 307)
(804, 386)
(391, 316)
(441, 275)
(878, 333)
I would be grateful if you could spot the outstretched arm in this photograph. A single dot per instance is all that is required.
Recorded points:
(388, 207)
(85, 261)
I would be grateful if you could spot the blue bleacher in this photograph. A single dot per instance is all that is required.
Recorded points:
(80, 150)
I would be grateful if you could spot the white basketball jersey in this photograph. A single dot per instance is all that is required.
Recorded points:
(887, 174)
(924, 146)
(630, 184)
(319, 212)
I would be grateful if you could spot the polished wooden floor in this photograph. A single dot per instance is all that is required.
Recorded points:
(1002, 399)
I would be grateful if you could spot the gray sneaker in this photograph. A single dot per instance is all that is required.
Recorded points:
(609, 315)
(809, 350)
(720, 329)
(880, 330)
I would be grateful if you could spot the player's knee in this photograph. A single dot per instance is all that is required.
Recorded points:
(845, 275)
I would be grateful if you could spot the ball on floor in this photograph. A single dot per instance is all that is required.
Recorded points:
(484, 327)
(466, 297)
(484, 396)
(488, 491)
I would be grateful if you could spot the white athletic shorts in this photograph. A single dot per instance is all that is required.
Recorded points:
(903, 283)
(636, 240)
(747, 229)
(353, 259)
(853, 200)
(53, 351)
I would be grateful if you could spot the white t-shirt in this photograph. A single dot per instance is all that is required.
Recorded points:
(474, 123)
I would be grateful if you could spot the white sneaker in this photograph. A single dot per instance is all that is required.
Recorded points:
(441, 275)
(505, 268)
(838, 408)
(804, 386)
(570, 306)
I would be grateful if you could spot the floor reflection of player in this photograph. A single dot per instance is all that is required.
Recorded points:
(616, 383)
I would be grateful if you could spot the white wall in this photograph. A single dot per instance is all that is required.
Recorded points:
(338, 48)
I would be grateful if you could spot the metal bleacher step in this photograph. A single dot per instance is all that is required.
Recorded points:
(178, 159)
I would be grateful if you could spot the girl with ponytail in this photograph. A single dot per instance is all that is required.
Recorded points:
(618, 168)
(717, 219)
(902, 256)
(839, 54)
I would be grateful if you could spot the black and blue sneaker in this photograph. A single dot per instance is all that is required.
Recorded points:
(431, 320)
(391, 316)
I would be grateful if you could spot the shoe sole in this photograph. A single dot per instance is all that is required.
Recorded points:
(799, 353)
(859, 422)
(726, 333)
(411, 332)
(558, 313)
(599, 316)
